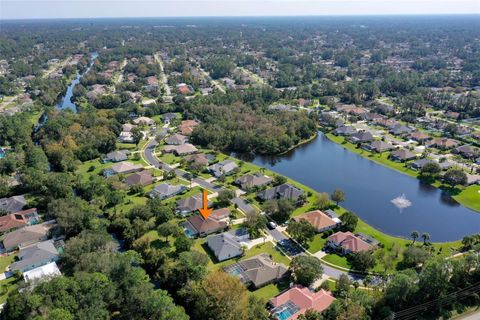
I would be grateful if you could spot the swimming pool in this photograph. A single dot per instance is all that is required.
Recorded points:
(285, 311)
(2, 153)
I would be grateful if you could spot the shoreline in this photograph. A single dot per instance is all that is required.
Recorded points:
(406, 171)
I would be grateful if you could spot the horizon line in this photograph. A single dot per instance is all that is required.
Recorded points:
(250, 16)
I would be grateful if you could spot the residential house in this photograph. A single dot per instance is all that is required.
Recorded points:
(190, 204)
(348, 242)
(249, 181)
(42, 273)
(225, 167)
(372, 116)
(402, 155)
(199, 159)
(197, 226)
(143, 178)
(13, 204)
(443, 143)
(229, 244)
(144, 121)
(420, 163)
(122, 168)
(467, 151)
(361, 137)
(165, 190)
(385, 122)
(419, 136)
(221, 214)
(116, 156)
(187, 126)
(176, 139)
(169, 117)
(258, 271)
(27, 235)
(126, 137)
(35, 256)
(283, 191)
(184, 89)
(18, 219)
(297, 300)
(345, 131)
(182, 150)
(400, 129)
(319, 220)
(128, 127)
(379, 146)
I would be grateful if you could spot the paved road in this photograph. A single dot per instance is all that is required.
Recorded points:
(471, 316)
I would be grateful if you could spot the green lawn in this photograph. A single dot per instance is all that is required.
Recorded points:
(470, 197)
(5, 261)
(270, 291)
(337, 260)
(7, 286)
(317, 243)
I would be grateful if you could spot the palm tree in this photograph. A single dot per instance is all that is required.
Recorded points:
(425, 237)
(414, 235)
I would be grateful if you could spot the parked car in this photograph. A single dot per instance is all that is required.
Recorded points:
(272, 225)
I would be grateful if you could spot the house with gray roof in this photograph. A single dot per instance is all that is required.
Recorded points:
(13, 204)
(122, 168)
(225, 167)
(35, 256)
(165, 190)
(190, 204)
(345, 131)
(379, 146)
(361, 137)
(258, 271)
(229, 244)
(420, 163)
(400, 129)
(283, 191)
(116, 156)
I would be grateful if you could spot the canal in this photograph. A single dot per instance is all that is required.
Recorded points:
(66, 101)
(386, 199)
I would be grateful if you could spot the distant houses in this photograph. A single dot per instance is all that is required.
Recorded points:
(122, 168)
(176, 139)
(225, 167)
(180, 150)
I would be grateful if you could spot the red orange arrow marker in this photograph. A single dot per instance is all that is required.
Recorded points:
(205, 211)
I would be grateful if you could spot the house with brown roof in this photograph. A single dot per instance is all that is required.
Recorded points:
(249, 181)
(197, 226)
(379, 146)
(419, 136)
(319, 220)
(143, 178)
(122, 168)
(348, 242)
(297, 300)
(18, 219)
(186, 126)
(181, 150)
(443, 143)
(402, 155)
(258, 271)
(176, 139)
(220, 214)
(199, 159)
(27, 235)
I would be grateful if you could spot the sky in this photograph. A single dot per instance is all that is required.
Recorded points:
(41, 9)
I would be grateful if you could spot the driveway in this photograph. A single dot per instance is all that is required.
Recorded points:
(242, 205)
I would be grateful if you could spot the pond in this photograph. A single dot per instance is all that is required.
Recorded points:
(66, 101)
(386, 199)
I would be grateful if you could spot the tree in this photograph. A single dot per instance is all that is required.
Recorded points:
(430, 169)
(323, 200)
(310, 314)
(224, 197)
(162, 212)
(306, 269)
(338, 196)
(363, 260)
(425, 237)
(349, 221)
(278, 209)
(302, 231)
(278, 180)
(182, 243)
(455, 177)
(169, 228)
(401, 289)
(254, 222)
(219, 296)
(414, 256)
(73, 215)
(414, 235)
(343, 285)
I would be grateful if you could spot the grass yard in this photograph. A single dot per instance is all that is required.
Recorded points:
(317, 243)
(470, 197)
(7, 286)
(270, 291)
(5, 261)
(337, 260)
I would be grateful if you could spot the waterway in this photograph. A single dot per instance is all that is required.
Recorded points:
(386, 199)
(66, 101)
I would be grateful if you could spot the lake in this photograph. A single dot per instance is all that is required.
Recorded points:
(370, 189)
(66, 100)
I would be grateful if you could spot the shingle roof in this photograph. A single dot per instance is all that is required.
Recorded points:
(318, 219)
(13, 204)
(349, 241)
(285, 190)
(225, 245)
(35, 254)
(26, 234)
